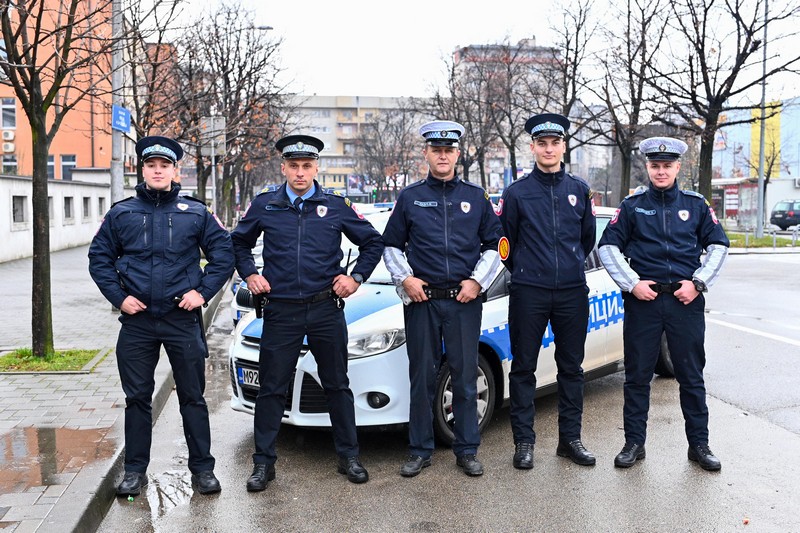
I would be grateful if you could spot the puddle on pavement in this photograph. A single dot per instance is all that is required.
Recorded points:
(36, 456)
(167, 491)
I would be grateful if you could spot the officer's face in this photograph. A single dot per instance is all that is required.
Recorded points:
(548, 152)
(663, 173)
(441, 160)
(158, 173)
(300, 174)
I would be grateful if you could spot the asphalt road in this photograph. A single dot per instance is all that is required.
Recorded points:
(753, 352)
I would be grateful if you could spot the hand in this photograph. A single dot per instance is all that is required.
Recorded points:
(344, 285)
(470, 289)
(414, 289)
(687, 293)
(191, 300)
(642, 291)
(257, 284)
(131, 305)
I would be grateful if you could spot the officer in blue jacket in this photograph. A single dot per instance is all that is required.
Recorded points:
(305, 286)
(441, 249)
(145, 258)
(548, 217)
(662, 231)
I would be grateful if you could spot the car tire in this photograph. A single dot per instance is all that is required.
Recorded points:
(664, 366)
(443, 401)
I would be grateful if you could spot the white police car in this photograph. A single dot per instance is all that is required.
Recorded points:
(378, 364)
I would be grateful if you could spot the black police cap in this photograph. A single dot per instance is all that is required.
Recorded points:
(547, 125)
(158, 146)
(299, 146)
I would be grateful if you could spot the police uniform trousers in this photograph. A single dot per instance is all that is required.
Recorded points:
(138, 350)
(285, 325)
(427, 325)
(529, 310)
(685, 329)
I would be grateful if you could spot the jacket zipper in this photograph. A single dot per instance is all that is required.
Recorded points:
(170, 230)
(555, 228)
(299, 241)
(144, 228)
(446, 233)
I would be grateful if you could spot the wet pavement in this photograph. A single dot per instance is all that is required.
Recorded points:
(61, 434)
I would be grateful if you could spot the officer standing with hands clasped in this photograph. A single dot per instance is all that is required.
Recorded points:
(662, 231)
(548, 217)
(305, 286)
(145, 258)
(441, 249)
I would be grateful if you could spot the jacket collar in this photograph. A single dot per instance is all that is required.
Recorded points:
(282, 197)
(436, 182)
(548, 177)
(157, 197)
(667, 195)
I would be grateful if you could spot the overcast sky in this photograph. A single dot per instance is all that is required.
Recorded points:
(387, 48)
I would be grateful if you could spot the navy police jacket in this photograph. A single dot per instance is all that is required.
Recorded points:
(663, 233)
(149, 246)
(302, 249)
(443, 227)
(549, 220)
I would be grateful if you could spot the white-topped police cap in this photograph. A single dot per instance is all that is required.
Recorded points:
(157, 146)
(547, 125)
(299, 147)
(662, 148)
(442, 132)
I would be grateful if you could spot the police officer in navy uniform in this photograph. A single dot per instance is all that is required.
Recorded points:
(305, 285)
(652, 250)
(548, 217)
(145, 258)
(441, 249)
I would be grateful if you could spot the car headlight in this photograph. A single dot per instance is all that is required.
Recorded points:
(375, 343)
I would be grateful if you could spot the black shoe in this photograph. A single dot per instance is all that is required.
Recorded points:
(414, 465)
(576, 451)
(262, 474)
(132, 484)
(470, 465)
(523, 456)
(629, 455)
(206, 482)
(703, 455)
(356, 473)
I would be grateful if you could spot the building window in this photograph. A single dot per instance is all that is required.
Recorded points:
(51, 167)
(50, 211)
(101, 206)
(87, 202)
(68, 209)
(10, 165)
(8, 110)
(67, 164)
(19, 209)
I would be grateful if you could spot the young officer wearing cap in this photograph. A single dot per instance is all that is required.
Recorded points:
(441, 249)
(145, 258)
(662, 231)
(548, 217)
(305, 284)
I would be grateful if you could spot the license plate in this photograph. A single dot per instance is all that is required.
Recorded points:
(248, 376)
(778, 215)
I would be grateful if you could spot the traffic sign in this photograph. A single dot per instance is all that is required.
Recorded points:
(120, 118)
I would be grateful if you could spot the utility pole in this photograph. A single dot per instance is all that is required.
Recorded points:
(760, 209)
(116, 99)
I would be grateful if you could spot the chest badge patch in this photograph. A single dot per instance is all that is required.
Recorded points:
(182, 206)
(322, 210)
(465, 207)
(683, 214)
(572, 200)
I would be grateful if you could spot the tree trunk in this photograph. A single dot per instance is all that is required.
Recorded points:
(41, 303)
(706, 159)
(625, 175)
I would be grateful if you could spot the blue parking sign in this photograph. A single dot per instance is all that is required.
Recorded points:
(120, 118)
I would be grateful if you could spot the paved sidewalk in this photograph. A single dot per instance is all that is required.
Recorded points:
(61, 434)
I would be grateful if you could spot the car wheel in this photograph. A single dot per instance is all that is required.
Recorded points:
(664, 366)
(443, 419)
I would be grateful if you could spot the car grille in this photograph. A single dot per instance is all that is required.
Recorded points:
(312, 396)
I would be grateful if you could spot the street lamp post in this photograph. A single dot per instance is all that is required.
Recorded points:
(760, 209)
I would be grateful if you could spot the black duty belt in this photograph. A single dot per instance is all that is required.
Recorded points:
(327, 294)
(441, 294)
(665, 288)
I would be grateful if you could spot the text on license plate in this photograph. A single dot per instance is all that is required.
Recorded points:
(248, 376)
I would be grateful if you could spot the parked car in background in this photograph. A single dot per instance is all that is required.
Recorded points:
(378, 363)
(786, 213)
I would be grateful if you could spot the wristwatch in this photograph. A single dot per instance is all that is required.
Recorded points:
(699, 285)
(358, 277)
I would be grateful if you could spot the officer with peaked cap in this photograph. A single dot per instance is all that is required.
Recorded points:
(652, 250)
(441, 249)
(305, 285)
(548, 217)
(145, 258)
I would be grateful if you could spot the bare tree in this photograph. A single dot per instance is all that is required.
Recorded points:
(713, 65)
